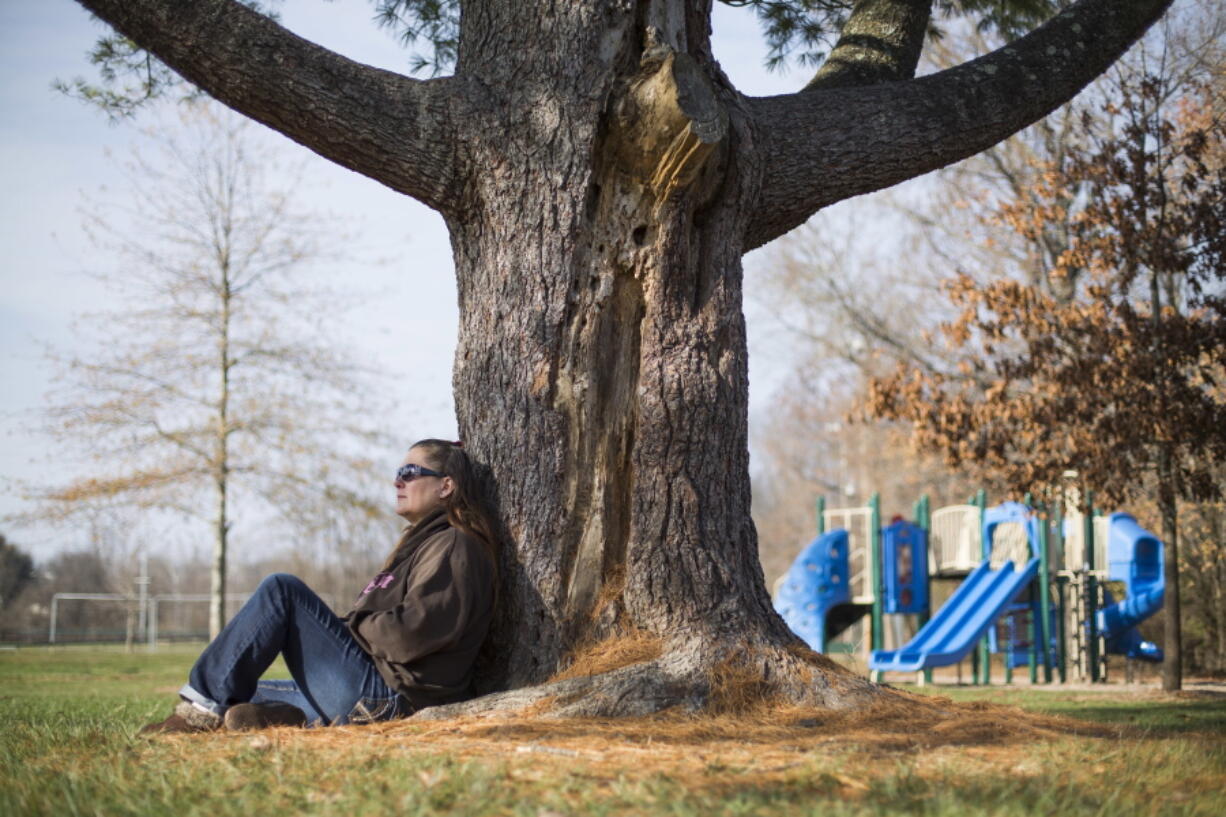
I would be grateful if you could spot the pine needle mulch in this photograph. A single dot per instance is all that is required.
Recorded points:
(840, 752)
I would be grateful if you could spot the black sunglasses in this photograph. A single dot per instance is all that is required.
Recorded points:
(410, 472)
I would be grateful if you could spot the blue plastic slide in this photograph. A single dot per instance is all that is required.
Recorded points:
(1134, 557)
(961, 622)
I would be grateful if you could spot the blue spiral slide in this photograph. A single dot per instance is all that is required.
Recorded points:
(1134, 557)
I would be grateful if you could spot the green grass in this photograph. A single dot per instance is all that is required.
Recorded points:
(1158, 715)
(66, 748)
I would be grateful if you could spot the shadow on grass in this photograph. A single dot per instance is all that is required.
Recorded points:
(1157, 719)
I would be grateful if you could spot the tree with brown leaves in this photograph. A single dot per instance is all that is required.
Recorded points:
(1122, 380)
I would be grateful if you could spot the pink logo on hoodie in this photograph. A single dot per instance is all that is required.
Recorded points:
(379, 582)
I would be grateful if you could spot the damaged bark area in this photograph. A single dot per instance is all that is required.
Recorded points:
(668, 124)
(666, 130)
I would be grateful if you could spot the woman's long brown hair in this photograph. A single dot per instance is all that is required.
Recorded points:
(466, 509)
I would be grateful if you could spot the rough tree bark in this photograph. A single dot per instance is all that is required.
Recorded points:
(601, 179)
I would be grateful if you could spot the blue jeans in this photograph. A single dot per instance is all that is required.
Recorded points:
(335, 681)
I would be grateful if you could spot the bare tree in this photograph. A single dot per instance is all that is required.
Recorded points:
(213, 391)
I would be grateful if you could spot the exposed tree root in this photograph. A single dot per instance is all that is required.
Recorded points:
(636, 690)
(733, 681)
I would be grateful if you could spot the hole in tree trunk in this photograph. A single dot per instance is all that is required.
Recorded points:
(593, 200)
(639, 234)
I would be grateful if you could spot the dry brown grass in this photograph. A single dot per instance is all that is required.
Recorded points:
(762, 741)
(900, 721)
(629, 646)
(738, 687)
(805, 751)
(816, 659)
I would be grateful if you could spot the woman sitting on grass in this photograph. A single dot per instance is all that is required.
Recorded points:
(409, 642)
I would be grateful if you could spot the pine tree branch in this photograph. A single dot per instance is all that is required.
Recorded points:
(880, 42)
(406, 136)
(823, 146)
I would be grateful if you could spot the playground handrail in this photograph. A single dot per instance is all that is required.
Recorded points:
(858, 524)
(954, 539)
(1074, 543)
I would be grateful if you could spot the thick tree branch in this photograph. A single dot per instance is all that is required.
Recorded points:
(823, 146)
(881, 42)
(396, 130)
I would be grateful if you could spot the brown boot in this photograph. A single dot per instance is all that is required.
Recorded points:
(187, 717)
(242, 717)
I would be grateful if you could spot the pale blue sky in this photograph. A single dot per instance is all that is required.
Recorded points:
(53, 148)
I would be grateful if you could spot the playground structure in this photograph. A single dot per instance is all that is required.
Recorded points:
(1031, 588)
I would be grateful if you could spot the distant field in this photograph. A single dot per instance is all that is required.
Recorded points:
(68, 714)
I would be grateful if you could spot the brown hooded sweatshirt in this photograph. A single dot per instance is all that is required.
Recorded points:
(424, 618)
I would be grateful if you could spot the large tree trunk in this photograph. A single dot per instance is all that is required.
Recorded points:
(602, 364)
